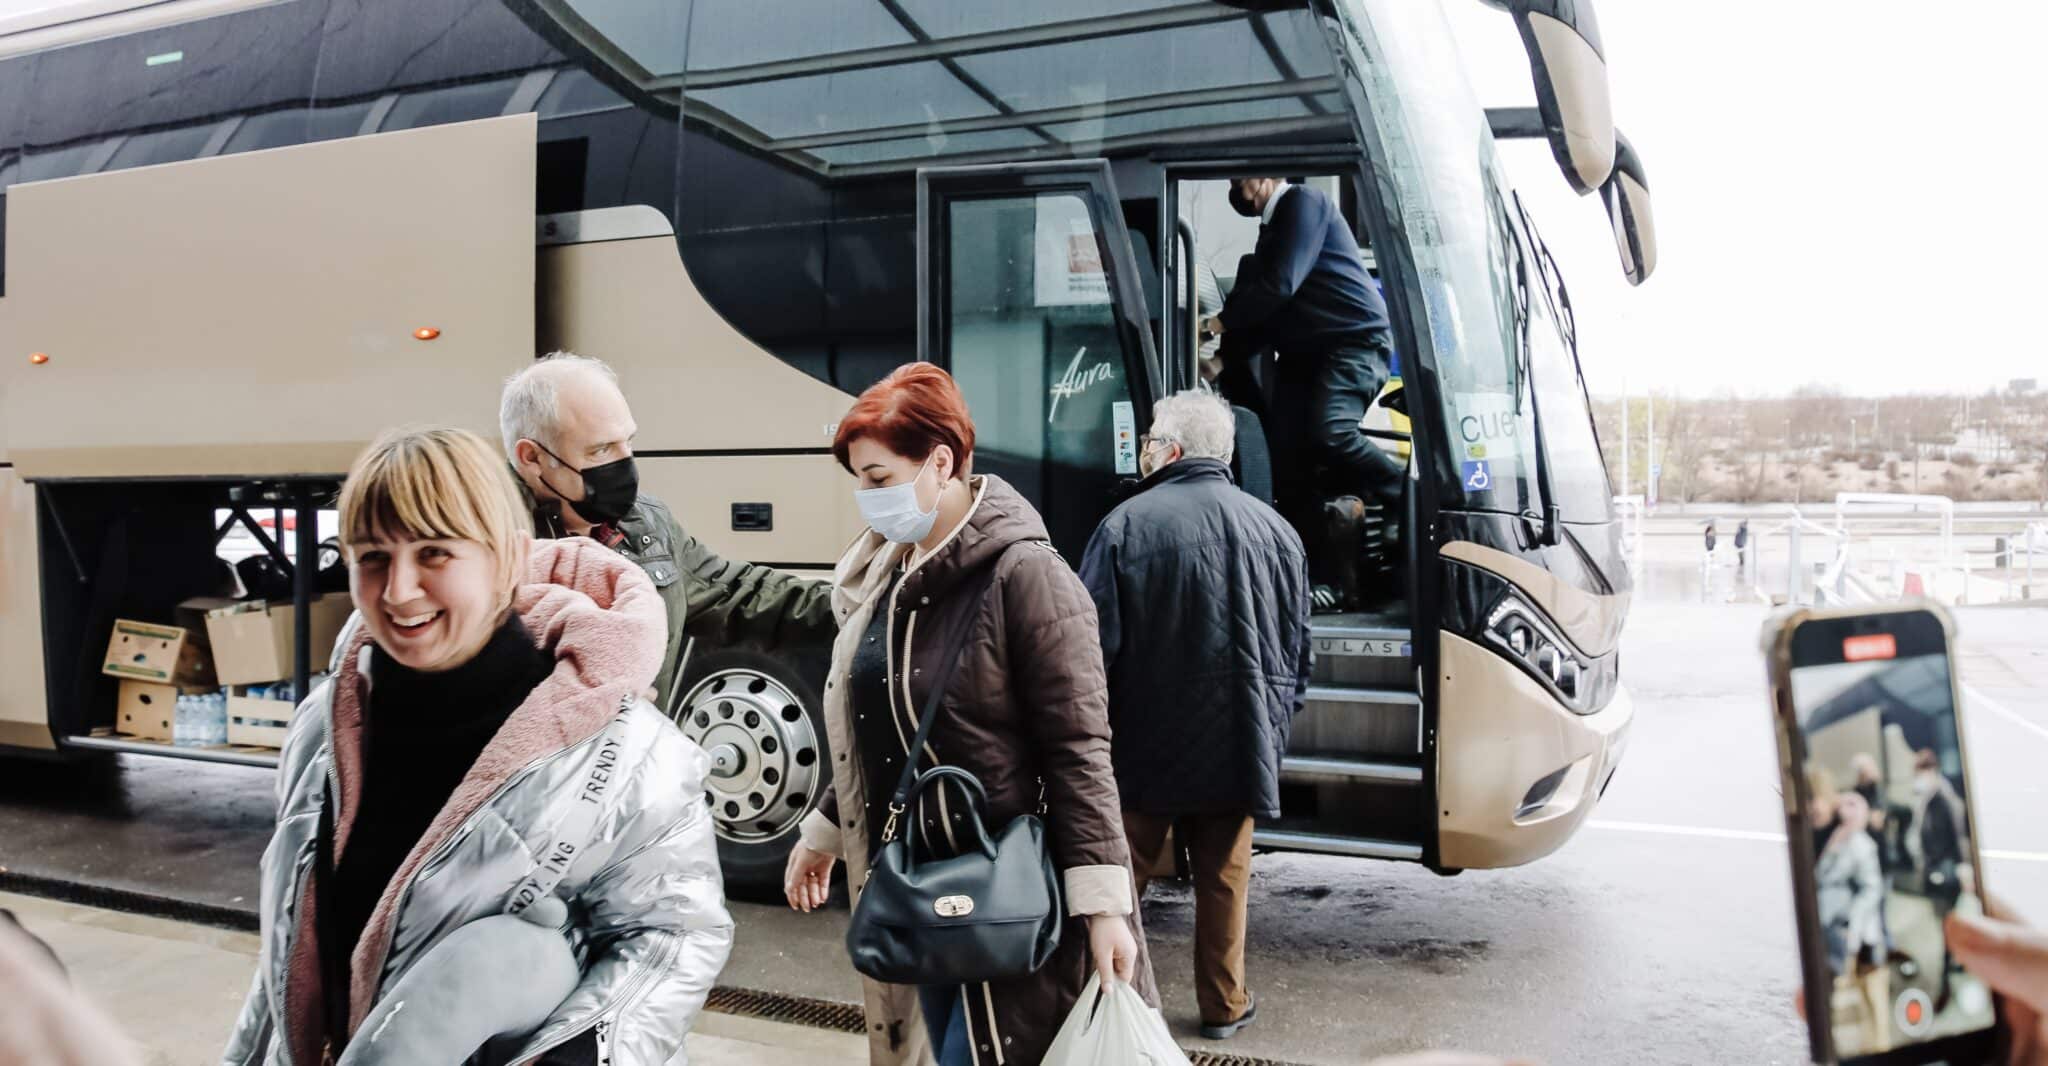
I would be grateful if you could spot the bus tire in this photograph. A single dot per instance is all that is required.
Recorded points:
(762, 722)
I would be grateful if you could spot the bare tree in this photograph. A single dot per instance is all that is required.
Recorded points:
(1927, 422)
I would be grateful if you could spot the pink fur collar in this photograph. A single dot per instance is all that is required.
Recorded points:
(602, 619)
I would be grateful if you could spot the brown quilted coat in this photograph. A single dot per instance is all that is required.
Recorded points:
(1027, 704)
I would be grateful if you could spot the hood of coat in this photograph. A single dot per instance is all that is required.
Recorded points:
(601, 619)
(999, 517)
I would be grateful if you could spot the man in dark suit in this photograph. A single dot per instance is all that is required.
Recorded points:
(1304, 292)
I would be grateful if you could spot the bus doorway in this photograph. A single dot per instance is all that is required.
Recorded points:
(1354, 543)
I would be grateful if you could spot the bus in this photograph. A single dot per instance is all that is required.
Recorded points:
(242, 236)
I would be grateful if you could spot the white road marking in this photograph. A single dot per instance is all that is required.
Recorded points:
(1979, 699)
(1764, 838)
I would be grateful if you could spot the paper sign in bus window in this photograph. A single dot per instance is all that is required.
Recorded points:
(1488, 427)
(1068, 267)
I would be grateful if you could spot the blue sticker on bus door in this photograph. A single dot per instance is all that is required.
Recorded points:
(1478, 476)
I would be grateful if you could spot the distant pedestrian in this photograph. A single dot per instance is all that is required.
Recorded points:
(1203, 596)
(1741, 545)
(1712, 538)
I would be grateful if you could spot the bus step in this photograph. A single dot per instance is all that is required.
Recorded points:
(1309, 768)
(1359, 723)
(1361, 847)
(1362, 641)
(1379, 656)
(1365, 695)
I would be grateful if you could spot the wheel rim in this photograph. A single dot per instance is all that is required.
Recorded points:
(766, 758)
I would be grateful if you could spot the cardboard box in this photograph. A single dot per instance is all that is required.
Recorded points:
(252, 642)
(257, 722)
(165, 655)
(146, 710)
(191, 617)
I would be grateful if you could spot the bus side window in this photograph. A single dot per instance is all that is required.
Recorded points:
(1033, 340)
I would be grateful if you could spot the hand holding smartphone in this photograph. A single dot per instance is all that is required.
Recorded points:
(1881, 833)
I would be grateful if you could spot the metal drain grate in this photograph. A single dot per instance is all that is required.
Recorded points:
(1211, 1058)
(794, 1010)
(847, 1018)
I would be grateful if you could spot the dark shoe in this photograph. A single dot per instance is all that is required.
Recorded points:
(1230, 1029)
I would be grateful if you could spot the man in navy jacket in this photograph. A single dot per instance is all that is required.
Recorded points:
(1304, 292)
(1202, 597)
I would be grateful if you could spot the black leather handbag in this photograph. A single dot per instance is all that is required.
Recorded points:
(991, 912)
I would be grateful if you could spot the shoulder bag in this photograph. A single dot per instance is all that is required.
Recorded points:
(991, 912)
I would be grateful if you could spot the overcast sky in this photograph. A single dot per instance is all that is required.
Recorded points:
(1844, 192)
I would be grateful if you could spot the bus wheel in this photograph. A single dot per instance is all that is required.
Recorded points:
(763, 725)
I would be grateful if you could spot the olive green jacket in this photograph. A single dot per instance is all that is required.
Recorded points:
(709, 599)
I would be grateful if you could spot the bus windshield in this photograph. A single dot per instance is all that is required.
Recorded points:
(1433, 145)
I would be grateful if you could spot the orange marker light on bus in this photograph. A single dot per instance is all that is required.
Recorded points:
(38, 358)
(425, 333)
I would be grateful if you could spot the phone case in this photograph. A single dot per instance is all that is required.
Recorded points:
(1816, 980)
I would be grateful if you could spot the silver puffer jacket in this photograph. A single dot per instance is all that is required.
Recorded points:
(644, 890)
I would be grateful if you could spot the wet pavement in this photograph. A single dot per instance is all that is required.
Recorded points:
(1661, 935)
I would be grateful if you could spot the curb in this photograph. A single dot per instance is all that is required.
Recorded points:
(129, 901)
(804, 1011)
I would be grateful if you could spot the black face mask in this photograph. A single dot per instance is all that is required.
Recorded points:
(609, 489)
(1241, 201)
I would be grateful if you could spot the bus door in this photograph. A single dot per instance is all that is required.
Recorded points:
(1028, 295)
(1200, 265)
(1356, 778)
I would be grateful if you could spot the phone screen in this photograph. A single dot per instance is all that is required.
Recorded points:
(1891, 828)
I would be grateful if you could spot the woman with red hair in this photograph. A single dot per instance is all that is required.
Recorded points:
(1025, 711)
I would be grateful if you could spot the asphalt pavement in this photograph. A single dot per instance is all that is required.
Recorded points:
(1662, 934)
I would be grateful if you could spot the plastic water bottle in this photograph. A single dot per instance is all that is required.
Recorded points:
(216, 717)
(184, 720)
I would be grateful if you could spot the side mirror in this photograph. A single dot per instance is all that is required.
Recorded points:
(1627, 195)
(1562, 38)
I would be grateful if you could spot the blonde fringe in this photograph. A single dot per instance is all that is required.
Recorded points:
(436, 483)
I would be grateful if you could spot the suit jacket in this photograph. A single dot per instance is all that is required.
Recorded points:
(1304, 289)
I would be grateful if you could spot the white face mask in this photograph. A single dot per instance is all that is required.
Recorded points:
(892, 510)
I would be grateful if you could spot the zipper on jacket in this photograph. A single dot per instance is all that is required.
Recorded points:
(910, 705)
(617, 1003)
(995, 1035)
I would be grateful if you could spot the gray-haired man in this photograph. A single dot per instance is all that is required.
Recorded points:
(1203, 596)
(569, 434)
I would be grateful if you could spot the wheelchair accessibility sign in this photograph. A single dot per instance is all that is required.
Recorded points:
(1478, 476)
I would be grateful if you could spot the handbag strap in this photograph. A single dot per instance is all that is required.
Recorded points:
(934, 701)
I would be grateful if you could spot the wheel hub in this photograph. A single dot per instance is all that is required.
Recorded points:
(766, 759)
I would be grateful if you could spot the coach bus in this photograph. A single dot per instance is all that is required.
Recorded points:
(241, 236)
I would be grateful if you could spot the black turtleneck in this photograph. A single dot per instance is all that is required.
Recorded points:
(421, 733)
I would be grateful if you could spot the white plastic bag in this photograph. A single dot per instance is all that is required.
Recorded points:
(1113, 1028)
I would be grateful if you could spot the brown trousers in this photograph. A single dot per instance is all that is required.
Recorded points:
(1220, 853)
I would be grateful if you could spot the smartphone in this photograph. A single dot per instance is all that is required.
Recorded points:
(1882, 834)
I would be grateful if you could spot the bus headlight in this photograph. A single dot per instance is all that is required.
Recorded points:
(1516, 629)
